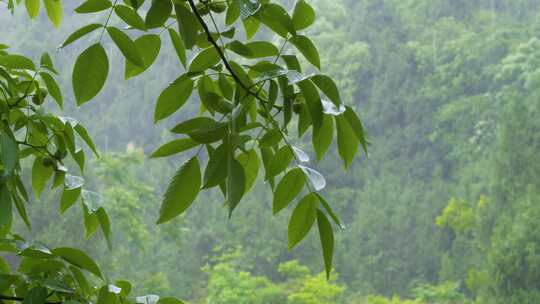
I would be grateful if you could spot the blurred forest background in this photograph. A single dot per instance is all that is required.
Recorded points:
(445, 210)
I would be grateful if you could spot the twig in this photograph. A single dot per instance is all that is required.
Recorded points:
(18, 299)
(107, 21)
(222, 55)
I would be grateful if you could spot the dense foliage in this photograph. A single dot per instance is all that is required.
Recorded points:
(246, 103)
(444, 210)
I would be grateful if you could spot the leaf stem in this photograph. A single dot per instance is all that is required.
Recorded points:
(107, 21)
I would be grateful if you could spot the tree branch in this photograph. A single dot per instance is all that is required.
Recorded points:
(18, 299)
(222, 55)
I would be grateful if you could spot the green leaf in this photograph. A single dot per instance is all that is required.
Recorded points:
(41, 173)
(54, 11)
(328, 87)
(204, 60)
(236, 183)
(6, 216)
(83, 133)
(308, 49)
(241, 73)
(173, 98)
(288, 188)
(4, 268)
(78, 258)
(225, 86)
(302, 219)
(53, 88)
(149, 46)
(130, 17)
(21, 209)
(239, 48)
(330, 211)
(182, 191)
(135, 4)
(89, 73)
(188, 25)
(6, 280)
(276, 18)
(313, 101)
(179, 46)
(80, 279)
(69, 197)
(346, 139)
(126, 46)
(261, 49)
(323, 136)
(233, 12)
(158, 13)
(271, 138)
(32, 7)
(356, 126)
(250, 162)
(9, 153)
(36, 295)
(45, 61)
(251, 26)
(91, 222)
(174, 147)
(292, 63)
(93, 6)
(303, 15)
(280, 161)
(105, 225)
(107, 296)
(209, 134)
(326, 234)
(193, 124)
(216, 169)
(125, 286)
(78, 157)
(56, 285)
(17, 62)
(80, 32)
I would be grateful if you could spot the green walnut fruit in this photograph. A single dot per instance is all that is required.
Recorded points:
(218, 7)
(202, 9)
(39, 98)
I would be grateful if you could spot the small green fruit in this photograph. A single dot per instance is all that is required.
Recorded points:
(218, 7)
(202, 9)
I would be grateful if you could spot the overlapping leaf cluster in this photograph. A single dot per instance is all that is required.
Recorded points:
(30, 134)
(250, 91)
